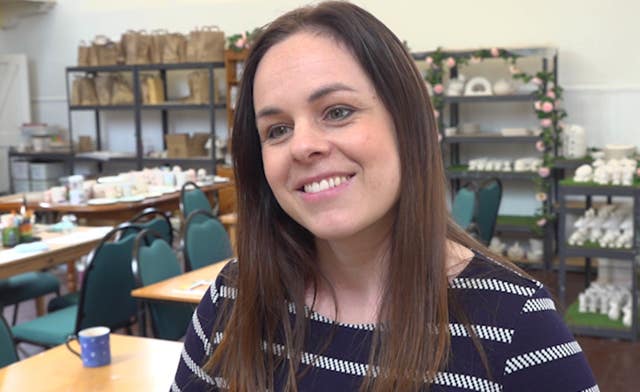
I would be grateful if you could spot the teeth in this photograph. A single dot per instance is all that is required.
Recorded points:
(325, 184)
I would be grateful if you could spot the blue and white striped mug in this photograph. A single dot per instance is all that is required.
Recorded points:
(95, 349)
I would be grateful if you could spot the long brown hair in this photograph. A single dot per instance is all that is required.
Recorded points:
(277, 255)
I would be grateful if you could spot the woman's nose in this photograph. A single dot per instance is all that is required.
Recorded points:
(308, 143)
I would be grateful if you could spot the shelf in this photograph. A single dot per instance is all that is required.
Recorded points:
(561, 163)
(524, 52)
(570, 187)
(176, 161)
(182, 106)
(490, 138)
(461, 172)
(596, 251)
(518, 224)
(145, 67)
(48, 155)
(491, 98)
(101, 107)
(595, 324)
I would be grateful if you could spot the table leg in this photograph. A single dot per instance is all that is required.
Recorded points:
(72, 277)
(40, 306)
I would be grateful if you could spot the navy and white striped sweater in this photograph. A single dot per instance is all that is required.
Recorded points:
(527, 345)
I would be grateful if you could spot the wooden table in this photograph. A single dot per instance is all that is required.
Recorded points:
(186, 288)
(137, 364)
(63, 247)
(107, 213)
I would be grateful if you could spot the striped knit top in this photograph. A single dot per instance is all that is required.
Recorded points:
(527, 345)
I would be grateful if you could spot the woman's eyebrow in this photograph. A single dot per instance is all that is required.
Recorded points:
(319, 93)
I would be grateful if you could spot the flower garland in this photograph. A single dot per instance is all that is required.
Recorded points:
(548, 97)
(243, 41)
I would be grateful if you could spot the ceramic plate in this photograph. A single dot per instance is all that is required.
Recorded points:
(131, 199)
(102, 201)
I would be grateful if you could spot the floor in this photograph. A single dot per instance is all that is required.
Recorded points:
(614, 363)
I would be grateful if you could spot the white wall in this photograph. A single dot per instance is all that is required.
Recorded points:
(598, 54)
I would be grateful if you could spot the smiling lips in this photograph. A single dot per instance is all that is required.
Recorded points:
(325, 184)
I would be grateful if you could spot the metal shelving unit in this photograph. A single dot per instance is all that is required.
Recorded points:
(631, 255)
(457, 172)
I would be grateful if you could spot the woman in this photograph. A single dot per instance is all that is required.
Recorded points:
(351, 275)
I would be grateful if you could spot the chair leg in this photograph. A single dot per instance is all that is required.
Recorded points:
(14, 320)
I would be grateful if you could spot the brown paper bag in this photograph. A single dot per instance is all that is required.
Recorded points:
(104, 84)
(121, 92)
(136, 47)
(205, 44)
(152, 90)
(87, 56)
(83, 92)
(198, 86)
(158, 40)
(174, 50)
(107, 51)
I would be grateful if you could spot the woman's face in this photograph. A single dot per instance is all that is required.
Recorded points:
(328, 143)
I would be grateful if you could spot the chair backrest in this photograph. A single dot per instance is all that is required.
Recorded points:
(192, 198)
(154, 260)
(151, 218)
(489, 198)
(105, 297)
(463, 209)
(8, 354)
(204, 240)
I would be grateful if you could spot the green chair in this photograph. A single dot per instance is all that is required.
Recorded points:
(154, 260)
(204, 240)
(8, 353)
(192, 198)
(151, 218)
(26, 286)
(105, 296)
(489, 196)
(463, 209)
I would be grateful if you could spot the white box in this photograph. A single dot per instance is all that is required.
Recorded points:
(46, 170)
(42, 185)
(21, 186)
(19, 169)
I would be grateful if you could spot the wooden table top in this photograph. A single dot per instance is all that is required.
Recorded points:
(63, 247)
(137, 364)
(35, 201)
(186, 288)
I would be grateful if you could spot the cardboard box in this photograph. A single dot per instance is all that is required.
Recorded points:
(182, 145)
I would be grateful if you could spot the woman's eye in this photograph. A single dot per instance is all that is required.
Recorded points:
(277, 131)
(338, 113)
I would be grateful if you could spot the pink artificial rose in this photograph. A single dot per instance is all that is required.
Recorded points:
(541, 196)
(537, 105)
(537, 81)
(240, 43)
(547, 107)
(540, 146)
(545, 123)
(429, 60)
(438, 88)
(541, 222)
(544, 172)
(495, 52)
(513, 69)
(451, 62)
(638, 172)
(436, 114)
(551, 94)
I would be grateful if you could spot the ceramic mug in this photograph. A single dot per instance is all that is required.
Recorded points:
(95, 349)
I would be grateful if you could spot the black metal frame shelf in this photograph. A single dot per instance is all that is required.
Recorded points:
(456, 174)
(489, 138)
(138, 107)
(462, 174)
(489, 98)
(570, 188)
